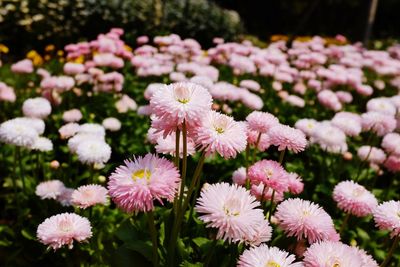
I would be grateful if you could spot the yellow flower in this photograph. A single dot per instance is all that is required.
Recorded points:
(4, 49)
(60, 53)
(49, 48)
(79, 59)
(279, 37)
(128, 48)
(31, 54)
(47, 57)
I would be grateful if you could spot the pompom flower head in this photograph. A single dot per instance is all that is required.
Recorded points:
(50, 189)
(354, 198)
(386, 217)
(220, 133)
(286, 137)
(261, 122)
(93, 151)
(232, 210)
(179, 102)
(304, 219)
(135, 185)
(38, 107)
(63, 229)
(18, 133)
(89, 195)
(270, 173)
(268, 257)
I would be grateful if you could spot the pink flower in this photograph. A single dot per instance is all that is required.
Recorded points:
(304, 219)
(261, 122)
(7, 93)
(250, 84)
(89, 195)
(258, 191)
(379, 123)
(307, 126)
(328, 99)
(330, 253)
(65, 197)
(296, 101)
(268, 257)
(344, 97)
(37, 107)
(220, 133)
(72, 115)
(382, 105)
(50, 189)
(63, 229)
(391, 143)
(68, 130)
(71, 68)
(181, 102)
(251, 101)
(286, 137)
(263, 144)
(349, 123)
(23, 66)
(386, 217)
(167, 145)
(371, 154)
(125, 104)
(354, 199)
(270, 173)
(142, 40)
(330, 138)
(393, 163)
(112, 124)
(295, 183)
(239, 176)
(135, 185)
(232, 210)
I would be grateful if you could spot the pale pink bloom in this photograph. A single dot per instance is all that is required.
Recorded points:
(364, 90)
(220, 133)
(300, 88)
(50, 189)
(93, 151)
(68, 130)
(371, 154)
(328, 253)
(232, 210)
(144, 110)
(7, 93)
(17, 132)
(23, 66)
(76, 140)
(349, 123)
(308, 126)
(125, 104)
(92, 128)
(295, 183)
(379, 123)
(250, 84)
(269, 173)
(89, 195)
(354, 199)
(181, 102)
(43, 73)
(328, 99)
(177, 77)
(239, 176)
(393, 163)
(304, 219)
(261, 122)
(72, 115)
(151, 89)
(167, 145)
(65, 197)
(286, 137)
(263, 144)
(382, 105)
(251, 101)
(268, 257)
(391, 143)
(296, 101)
(386, 217)
(112, 124)
(37, 107)
(344, 97)
(367, 260)
(63, 229)
(266, 194)
(135, 185)
(330, 138)
(142, 40)
(263, 234)
(277, 86)
(71, 68)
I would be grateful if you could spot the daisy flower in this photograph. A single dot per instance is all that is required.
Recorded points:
(386, 217)
(89, 195)
(286, 137)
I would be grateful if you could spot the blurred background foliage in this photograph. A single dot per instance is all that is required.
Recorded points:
(32, 24)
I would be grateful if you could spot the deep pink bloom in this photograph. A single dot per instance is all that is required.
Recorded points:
(304, 219)
(270, 173)
(135, 185)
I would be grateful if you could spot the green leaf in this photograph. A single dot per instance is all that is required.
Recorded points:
(143, 247)
(189, 264)
(362, 234)
(27, 235)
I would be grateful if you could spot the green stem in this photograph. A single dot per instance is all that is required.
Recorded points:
(256, 147)
(281, 156)
(391, 251)
(184, 166)
(344, 223)
(210, 253)
(21, 170)
(153, 234)
(14, 179)
(262, 195)
(177, 145)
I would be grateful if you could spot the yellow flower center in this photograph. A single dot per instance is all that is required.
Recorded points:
(140, 174)
(272, 264)
(310, 126)
(269, 173)
(219, 130)
(231, 207)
